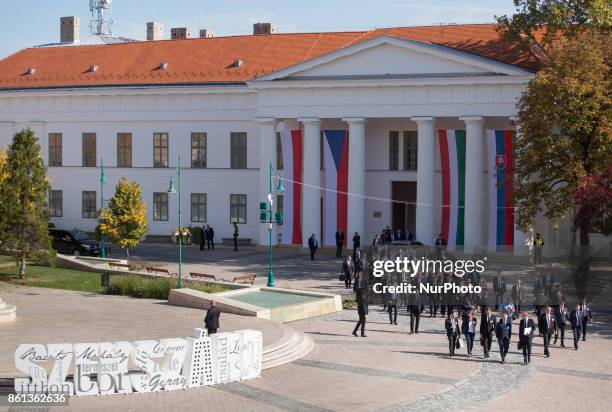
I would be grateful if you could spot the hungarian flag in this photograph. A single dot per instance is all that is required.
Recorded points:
(501, 206)
(291, 146)
(452, 160)
(336, 183)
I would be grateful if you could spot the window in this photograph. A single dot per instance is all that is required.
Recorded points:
(124, 149)
(89, 150)
(55, 149)
(410, 150)
(89, 205)
(198, 207)
(55, 203)
(238, 142)
(279, 152)
(238, 208)
(280, 206)
(160, 206)
(198, 150)
(160, 150)
(393, 150)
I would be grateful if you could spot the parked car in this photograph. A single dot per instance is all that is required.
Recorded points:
(74, 242)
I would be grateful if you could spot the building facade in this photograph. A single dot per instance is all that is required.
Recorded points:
(392, 91)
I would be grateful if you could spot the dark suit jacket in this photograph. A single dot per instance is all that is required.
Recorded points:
(543, 325)
(576, 321)
(487, 329)
(503, 331)
(362, 302)
(560, 316)
(356, 242)
(311, 243)
(449, 328)
(211, 234)
(518, 294)
(499, 286)
(347, 269)
(522, 326)
(339, 238)
(211, 321)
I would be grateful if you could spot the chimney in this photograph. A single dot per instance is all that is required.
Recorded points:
(155, 31)
(206, 33)
(180, 33)
(70, 28)
(264, 28)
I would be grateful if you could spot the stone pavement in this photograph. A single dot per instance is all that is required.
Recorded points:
(387, 371)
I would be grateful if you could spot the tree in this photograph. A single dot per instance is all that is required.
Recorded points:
(23, 201)
(543, 21)
(125, 220)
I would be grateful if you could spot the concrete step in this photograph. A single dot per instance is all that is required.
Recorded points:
(7, 312)
(300, 346)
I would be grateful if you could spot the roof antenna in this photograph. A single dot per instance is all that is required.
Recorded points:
(101, 23)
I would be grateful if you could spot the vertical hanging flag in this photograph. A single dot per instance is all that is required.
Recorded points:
(336, 183)
(291, 144)
(452, 160)
(501, 206)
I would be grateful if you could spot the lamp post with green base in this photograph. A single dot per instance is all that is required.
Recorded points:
(266, 217)
(171, 190)
(102, 181)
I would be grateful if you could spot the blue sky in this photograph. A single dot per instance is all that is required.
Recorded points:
(25, 23)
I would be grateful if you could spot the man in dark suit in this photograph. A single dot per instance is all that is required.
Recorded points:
(575, 319)
(526, 332)
(313, 245)
(547, 325)
(560, 318)
(503, 332)
(452, 331)
(356, 242)
(235, 235)
(361, 295)
(210, 238)
(202, 237)
(518, 296)
(347, 269)
(487, 329)
(339, 242)
(414, 308)
(499, 287)
(587, 317)
(211, 321)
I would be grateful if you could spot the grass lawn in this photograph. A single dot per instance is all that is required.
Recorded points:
(4, 258)
(68, 279)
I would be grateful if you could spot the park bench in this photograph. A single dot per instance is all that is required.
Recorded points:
(153, 269)
(202, 275)
(244, 279)
(118, 265)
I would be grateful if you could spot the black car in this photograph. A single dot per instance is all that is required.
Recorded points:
(74, 242)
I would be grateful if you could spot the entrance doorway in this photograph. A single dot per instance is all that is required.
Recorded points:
(403, 215)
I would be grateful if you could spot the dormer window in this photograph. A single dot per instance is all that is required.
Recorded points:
(31, 71)
(93, 69)
(163, 66)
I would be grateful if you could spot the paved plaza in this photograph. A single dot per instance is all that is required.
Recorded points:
(389, 370)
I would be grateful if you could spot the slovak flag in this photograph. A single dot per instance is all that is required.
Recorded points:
(336, 183)
(291, 146)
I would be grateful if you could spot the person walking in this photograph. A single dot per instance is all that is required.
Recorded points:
(469, 330)
(547, 326)
(575, 319)
(538, 247)
(313, 245)
(487, 329)
(202, 237)
(503, 332)
(499, 287)
(347, 269)
(414, 308)
(452, 332)
(526, 332)
(518, 295)
(210, 237)
(361, 295)
(211, 321)
(356, 243)
(393, 299)
(235, 236)
(339, 242)
(560, 318)
(587, 317)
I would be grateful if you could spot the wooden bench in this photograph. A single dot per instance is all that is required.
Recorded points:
(119, 265)
(152, 269)
(202, 275)
(244, 279)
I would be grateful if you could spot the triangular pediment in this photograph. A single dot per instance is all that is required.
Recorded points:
(387, 56)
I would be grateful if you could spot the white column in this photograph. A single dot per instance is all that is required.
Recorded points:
(474, 187)
(267, 154)
(311, 197)
(521, 239)
(426, 138)
(356, 179)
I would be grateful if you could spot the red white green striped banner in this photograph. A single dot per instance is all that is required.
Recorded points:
(452, 160)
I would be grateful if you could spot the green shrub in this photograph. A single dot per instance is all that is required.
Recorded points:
(139, 287)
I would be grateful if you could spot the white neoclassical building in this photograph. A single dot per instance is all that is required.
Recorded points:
(219, 102)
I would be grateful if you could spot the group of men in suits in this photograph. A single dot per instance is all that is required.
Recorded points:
(207, 237)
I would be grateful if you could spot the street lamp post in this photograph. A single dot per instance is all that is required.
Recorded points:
(171, 190)
(267, 218)
(102, 181)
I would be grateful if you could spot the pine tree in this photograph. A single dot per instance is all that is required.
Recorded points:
(125, 220)
(24, 212)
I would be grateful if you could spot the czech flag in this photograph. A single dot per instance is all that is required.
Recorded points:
(500, 174)
(291, 146)
(336, 182)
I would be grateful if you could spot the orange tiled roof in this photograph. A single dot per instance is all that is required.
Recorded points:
(209, 60)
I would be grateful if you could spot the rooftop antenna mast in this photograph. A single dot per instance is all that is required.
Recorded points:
(101, 23)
